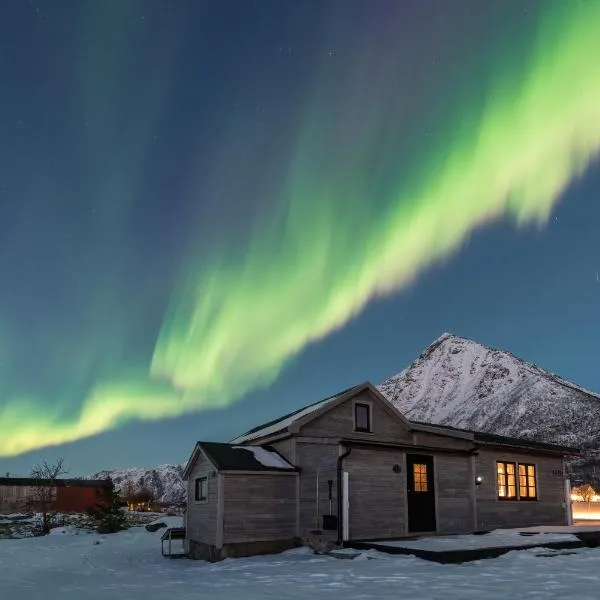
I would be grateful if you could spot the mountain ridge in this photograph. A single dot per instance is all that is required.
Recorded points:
(461, 383)
(164, 482)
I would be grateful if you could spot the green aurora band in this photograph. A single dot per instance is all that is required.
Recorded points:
(234, 326)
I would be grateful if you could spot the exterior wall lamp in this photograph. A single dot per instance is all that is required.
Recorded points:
(478, 480)
(396, 468)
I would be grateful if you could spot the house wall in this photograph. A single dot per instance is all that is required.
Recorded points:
(15, 497)
(76, 499)
(422, 438)
(454, 482)
(339, 422)
(318, 464)
(377, 494)
(547, 510)
(258, 507)
(286, 448)
(19, 497)
(201, 517)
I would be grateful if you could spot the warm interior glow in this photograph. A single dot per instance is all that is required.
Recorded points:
(420, 477)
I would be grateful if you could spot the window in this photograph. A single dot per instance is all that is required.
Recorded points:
(420, 477)
(527, 485)
(201, 492)
(362, 417)
(507, 484)
(516, 481)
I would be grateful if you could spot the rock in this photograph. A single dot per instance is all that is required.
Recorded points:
(152, 527)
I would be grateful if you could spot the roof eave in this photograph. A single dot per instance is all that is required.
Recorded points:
(555, 450)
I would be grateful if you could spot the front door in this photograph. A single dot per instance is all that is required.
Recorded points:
(421, 496)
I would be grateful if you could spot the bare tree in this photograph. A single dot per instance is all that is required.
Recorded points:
(586, 492)
(128, 494)
(43, 494)
(145, 497)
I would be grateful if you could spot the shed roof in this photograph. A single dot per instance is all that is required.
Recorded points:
(503, 440)
(229, 457)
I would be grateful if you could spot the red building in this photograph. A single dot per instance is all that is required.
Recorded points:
(69, 495)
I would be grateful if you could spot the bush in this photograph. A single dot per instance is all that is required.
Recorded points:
(107, 516)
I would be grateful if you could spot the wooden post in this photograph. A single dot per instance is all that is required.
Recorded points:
(568, 502)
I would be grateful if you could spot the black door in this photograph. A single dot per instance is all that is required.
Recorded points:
(421, 496)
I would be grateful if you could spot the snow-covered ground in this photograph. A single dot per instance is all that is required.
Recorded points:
(129, 566)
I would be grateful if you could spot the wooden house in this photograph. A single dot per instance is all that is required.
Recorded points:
(352, 467)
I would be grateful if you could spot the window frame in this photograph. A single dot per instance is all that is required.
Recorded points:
(369, 428)
(197, 485)
(517, 479)
(420, 477)
(505, 484)
(528, 485)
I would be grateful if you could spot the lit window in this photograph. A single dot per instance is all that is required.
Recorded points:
(420, 477)
(201, 491)
(507, 484)
(362, 417)
(527, 482)
(513, 478)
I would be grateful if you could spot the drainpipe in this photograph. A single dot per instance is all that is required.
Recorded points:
(340, 499)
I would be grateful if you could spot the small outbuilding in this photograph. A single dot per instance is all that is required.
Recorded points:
(241, 501)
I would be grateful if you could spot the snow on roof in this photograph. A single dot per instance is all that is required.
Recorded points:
(285, 421)
(265, 457)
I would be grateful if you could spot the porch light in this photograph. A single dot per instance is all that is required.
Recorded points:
(478, 480)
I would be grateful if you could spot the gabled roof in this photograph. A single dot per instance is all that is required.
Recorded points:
(283, 423)
(229, 457)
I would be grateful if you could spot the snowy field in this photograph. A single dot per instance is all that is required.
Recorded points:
(70, 564)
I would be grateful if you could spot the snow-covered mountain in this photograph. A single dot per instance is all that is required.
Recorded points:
(164, 481)
(461, 383)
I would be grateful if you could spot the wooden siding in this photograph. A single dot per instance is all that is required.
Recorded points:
(286, 448)
(201, 517)
(258, 507)
(376, 493)
(549, 509)
(17, 497)
(316, 460)
(339, 422)
(455, 489)
(422, 438)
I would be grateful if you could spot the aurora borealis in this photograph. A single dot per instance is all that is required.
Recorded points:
(186, 214)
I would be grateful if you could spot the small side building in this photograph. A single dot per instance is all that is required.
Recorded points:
(241, 501)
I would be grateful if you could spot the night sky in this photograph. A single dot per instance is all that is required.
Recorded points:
(214, 212)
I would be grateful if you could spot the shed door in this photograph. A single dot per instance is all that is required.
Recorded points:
(421, 495)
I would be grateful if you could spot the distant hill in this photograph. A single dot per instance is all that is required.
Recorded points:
(163, 481)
